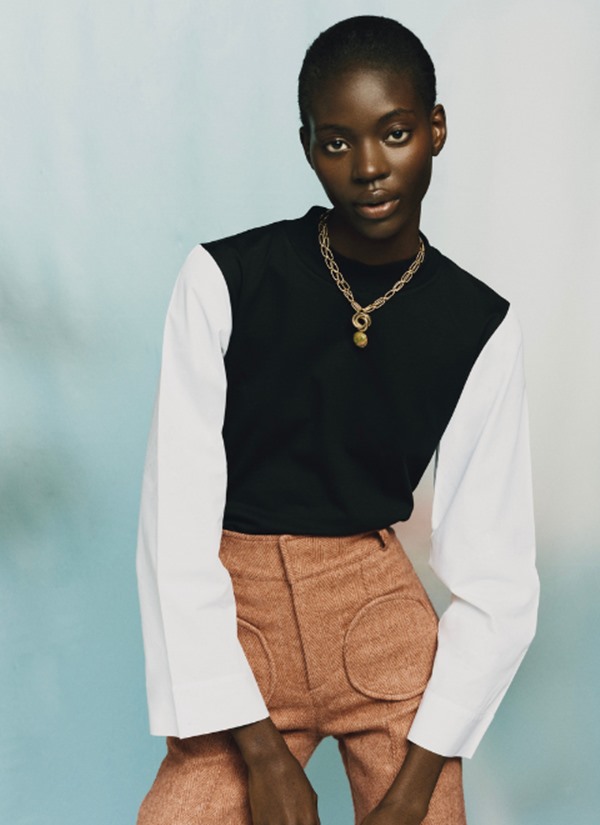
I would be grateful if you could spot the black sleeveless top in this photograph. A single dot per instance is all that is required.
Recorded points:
(322, 437)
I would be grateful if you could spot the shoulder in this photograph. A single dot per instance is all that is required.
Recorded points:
(214, 266)
(199, 274)
(240, 255)
(480, 293)
(470, 303)
(502, 355)
(247, 241)
(199, 293)
(255, 243)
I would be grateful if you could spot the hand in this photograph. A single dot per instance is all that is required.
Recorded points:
(280, 794)
(407, 799)
(278, 789)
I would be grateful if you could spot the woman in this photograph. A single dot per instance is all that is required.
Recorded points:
(311, 369)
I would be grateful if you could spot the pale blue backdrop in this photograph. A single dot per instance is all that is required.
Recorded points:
(131, 130)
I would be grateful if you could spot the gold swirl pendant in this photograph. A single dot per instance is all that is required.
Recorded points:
(362, 321)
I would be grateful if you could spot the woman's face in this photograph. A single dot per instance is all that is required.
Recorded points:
(371, 142)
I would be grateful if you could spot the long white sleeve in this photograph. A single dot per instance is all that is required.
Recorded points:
(483, 549)
(198, 678)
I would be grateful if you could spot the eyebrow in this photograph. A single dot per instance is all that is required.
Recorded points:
(337, 127)
(394, 113)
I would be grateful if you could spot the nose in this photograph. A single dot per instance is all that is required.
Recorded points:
(370, 162)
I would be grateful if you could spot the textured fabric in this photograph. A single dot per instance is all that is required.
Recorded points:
(341, 637)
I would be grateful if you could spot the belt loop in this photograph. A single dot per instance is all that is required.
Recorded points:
(384, 535)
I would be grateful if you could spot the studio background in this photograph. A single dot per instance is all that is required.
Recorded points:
(132, 130)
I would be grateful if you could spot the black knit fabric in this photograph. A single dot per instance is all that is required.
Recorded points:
(322, 437)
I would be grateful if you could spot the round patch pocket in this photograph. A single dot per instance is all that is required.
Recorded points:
(389, 647)
(259, 657)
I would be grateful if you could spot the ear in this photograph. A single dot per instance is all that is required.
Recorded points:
(305, 141)
(439, 128)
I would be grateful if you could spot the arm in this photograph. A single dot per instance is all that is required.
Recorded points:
(483, 548)
(198, 678)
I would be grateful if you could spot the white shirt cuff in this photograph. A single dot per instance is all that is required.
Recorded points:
(444, 728)
(207, 707)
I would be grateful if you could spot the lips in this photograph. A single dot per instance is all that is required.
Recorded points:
(376, 208)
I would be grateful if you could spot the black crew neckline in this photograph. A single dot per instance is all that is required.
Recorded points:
(303, 235)
(391, 268)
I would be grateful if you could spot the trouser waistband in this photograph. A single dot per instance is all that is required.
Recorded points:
(262, 556)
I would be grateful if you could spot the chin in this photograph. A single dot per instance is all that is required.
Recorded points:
(379, 230)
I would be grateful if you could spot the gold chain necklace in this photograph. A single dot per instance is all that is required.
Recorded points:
(361, 318)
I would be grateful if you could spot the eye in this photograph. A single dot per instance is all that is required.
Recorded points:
(398, 136)
(336, 146)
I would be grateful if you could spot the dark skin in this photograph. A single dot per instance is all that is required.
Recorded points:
(370, 141)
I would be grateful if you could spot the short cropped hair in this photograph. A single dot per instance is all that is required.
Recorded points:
(369, 41)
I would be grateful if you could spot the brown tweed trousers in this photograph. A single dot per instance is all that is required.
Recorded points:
(341, 637)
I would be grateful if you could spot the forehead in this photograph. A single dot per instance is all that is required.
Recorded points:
(363, 95)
